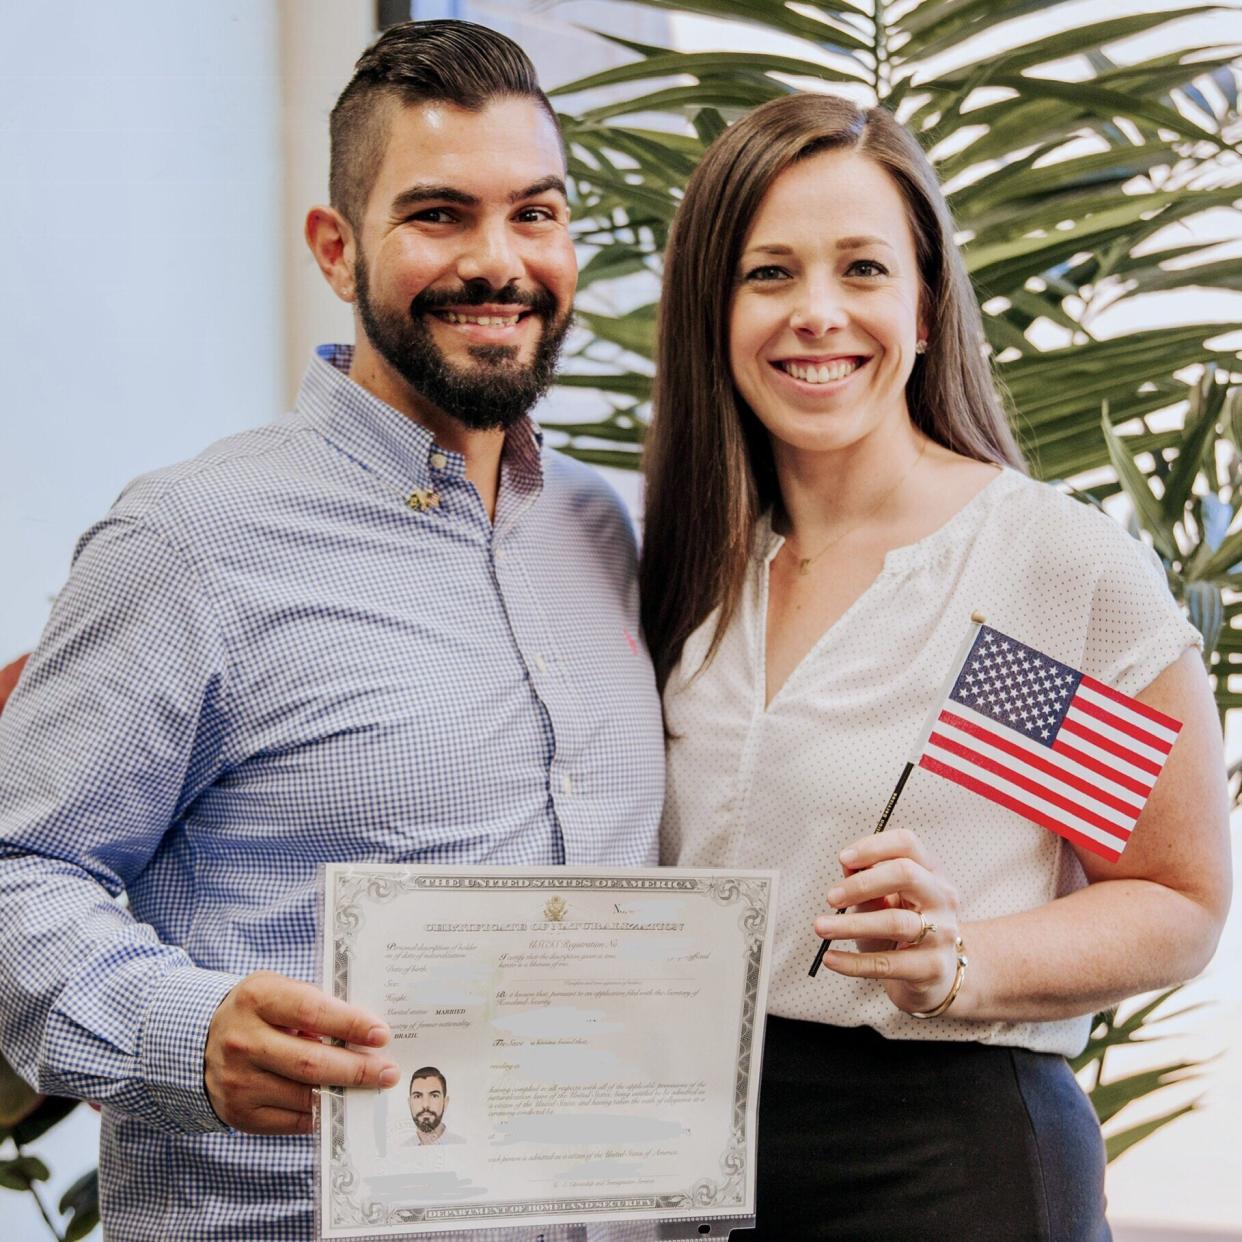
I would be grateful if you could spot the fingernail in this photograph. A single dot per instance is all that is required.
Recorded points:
(848, 856)
(390, 1077)
(836, 896)
(377, 1034)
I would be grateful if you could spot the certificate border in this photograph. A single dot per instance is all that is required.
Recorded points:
(349, 886)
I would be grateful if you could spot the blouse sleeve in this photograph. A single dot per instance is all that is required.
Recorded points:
(1137, 629)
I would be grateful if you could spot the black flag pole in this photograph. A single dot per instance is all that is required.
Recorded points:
(976, 620)
(888, 810)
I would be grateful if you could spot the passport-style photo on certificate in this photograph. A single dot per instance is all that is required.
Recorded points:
(579, 1047)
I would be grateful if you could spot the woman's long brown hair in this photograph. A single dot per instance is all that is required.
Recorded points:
(708, 462)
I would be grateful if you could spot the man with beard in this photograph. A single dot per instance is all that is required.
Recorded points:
(428, 1099)
(392, 626)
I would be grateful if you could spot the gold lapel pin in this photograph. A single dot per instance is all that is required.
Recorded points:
(421, 499)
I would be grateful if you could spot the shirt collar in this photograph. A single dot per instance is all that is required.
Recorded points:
(765, 543)
(388, 443)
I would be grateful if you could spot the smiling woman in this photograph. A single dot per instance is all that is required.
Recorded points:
(823, 406)
(822, 315)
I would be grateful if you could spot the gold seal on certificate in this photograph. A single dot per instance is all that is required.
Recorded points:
(578, 1046)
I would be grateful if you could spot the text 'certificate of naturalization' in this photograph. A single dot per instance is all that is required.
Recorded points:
(576, 1045)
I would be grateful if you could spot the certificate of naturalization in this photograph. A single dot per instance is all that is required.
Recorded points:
(577, 1045)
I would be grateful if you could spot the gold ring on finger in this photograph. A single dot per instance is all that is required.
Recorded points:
(928, 928)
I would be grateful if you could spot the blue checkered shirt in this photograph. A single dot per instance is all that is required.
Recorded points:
(265, 659)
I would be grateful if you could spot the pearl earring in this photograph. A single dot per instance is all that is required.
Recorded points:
(920, 346)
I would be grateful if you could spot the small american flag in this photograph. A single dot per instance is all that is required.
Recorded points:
(1049, 743)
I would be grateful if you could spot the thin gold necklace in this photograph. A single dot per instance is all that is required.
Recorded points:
(805, 562)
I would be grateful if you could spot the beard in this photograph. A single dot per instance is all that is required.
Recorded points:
(427, 1121)
(499, 390)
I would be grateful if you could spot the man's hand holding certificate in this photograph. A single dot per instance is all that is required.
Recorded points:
(576, 1046)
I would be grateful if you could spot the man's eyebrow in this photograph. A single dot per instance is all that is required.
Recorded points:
(418, 194)
(542, 186)
(428, 193)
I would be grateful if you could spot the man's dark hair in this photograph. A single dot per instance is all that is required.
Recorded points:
(428, 1071)
(454, 62)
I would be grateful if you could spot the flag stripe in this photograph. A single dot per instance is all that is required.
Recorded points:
(1166, 736)
(1129, 746)
(1083, 704)
(1122, 781)
(1035, 788)
(1106, 744)
(1169, 722)
(1058, 771)
(1110, 850)
(1078, 755)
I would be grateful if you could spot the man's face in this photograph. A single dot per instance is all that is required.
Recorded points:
(464, 268)
(427, 1101)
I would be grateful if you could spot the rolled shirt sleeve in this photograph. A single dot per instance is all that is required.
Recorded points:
(113, 730)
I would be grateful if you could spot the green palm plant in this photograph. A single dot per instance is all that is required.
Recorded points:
(1111, 1030)
(1184, 497)
(1065, 192)
(1185, 503)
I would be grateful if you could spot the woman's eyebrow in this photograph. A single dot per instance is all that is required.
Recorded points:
(862, 242)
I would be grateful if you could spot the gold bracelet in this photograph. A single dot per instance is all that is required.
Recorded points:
(962, 962)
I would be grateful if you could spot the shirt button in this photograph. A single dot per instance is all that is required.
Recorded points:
(542, 665)
(566, 784)
(500, 554)
(438, 461)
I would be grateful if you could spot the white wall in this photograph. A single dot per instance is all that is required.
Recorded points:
(140, 173)
(320, 41)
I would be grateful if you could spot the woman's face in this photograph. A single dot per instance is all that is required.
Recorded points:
(825, 314)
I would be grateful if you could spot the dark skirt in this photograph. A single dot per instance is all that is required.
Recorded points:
(922, 1141)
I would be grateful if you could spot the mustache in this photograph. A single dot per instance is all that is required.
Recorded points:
(481, 293)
